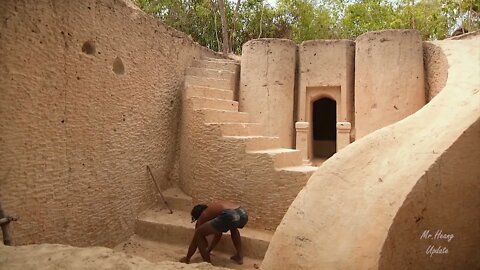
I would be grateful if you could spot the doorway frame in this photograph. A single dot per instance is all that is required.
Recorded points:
(313, 94)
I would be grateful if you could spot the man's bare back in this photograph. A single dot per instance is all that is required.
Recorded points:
(216, 208)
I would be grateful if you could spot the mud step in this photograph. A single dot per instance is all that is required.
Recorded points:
(176, 199)
(282, 157)
(207, 92)
(176, 228)
(211, 73)
(255, 143)
(210, 82)
(240, 129)
(308, 170)
(216, 64)
(223, 60)
(218, 116)
(213, 103)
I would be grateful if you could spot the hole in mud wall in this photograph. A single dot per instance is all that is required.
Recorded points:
(118, 66)
(89, 47)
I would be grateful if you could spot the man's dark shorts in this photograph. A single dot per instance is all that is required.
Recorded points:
(230, 219)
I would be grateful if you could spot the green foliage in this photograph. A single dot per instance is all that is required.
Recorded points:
(369, 15)
(301, 20)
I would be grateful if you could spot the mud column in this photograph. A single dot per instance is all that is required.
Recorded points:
(389, 78)
(267, 86)
(303, 130)
(343, 134)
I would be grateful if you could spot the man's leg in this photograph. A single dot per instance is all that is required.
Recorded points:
(237, 242)
(200, 234)
(215, 241)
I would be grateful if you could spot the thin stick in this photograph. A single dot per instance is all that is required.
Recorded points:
(158, 189)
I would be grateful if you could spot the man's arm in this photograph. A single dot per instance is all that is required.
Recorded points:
(204, 217)
(191, 250)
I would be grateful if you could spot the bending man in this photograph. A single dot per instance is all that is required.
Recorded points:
(216, 218)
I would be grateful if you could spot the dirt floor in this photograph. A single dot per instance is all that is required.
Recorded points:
(53, 257)
(158, 252)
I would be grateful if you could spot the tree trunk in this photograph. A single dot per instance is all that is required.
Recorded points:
(223, 17)
(234, 30)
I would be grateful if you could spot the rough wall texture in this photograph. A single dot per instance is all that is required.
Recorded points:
(267, 82)
(323, 230)
(89, 96)
(436, 65)
(389, 78)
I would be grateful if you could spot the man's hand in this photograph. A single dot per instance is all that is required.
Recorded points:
(185, 260)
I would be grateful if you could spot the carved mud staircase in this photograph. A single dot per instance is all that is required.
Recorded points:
(222, 147)
(210, 86)
(221, 144)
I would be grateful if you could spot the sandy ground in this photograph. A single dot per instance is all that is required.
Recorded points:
(50, 256)
(157, 252)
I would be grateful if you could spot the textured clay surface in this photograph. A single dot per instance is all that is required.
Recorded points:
(267, 86)
(89, 95)
(389, 78)
(436, 66)
(418, 174)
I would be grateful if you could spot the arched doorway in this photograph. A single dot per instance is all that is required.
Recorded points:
(324, 122)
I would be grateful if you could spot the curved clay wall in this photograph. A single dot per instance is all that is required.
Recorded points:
(389, 78)
(354, 212)
(90, 95)
(267, 81)
(440, 214)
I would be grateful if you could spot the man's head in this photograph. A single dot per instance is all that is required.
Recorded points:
(197, 210)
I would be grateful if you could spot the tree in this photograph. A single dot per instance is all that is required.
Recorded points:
(227, 24)
(223, 16)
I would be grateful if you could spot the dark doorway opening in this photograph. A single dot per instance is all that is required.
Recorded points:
(324, 128)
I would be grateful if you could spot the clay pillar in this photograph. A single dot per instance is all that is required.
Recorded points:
(267, 86)
(302, 139)
(389, 78)
(343, 134)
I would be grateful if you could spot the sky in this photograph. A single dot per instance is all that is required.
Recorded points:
(272, 2)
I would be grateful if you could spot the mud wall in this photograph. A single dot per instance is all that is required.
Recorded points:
(389, 78)
(326, 69)
(267, 82)
(90, 94)
(326, 63)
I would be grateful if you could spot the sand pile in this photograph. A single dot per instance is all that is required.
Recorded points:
(49, 256)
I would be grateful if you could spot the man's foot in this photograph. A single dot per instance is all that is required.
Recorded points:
(184, 260)
(237, 259)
